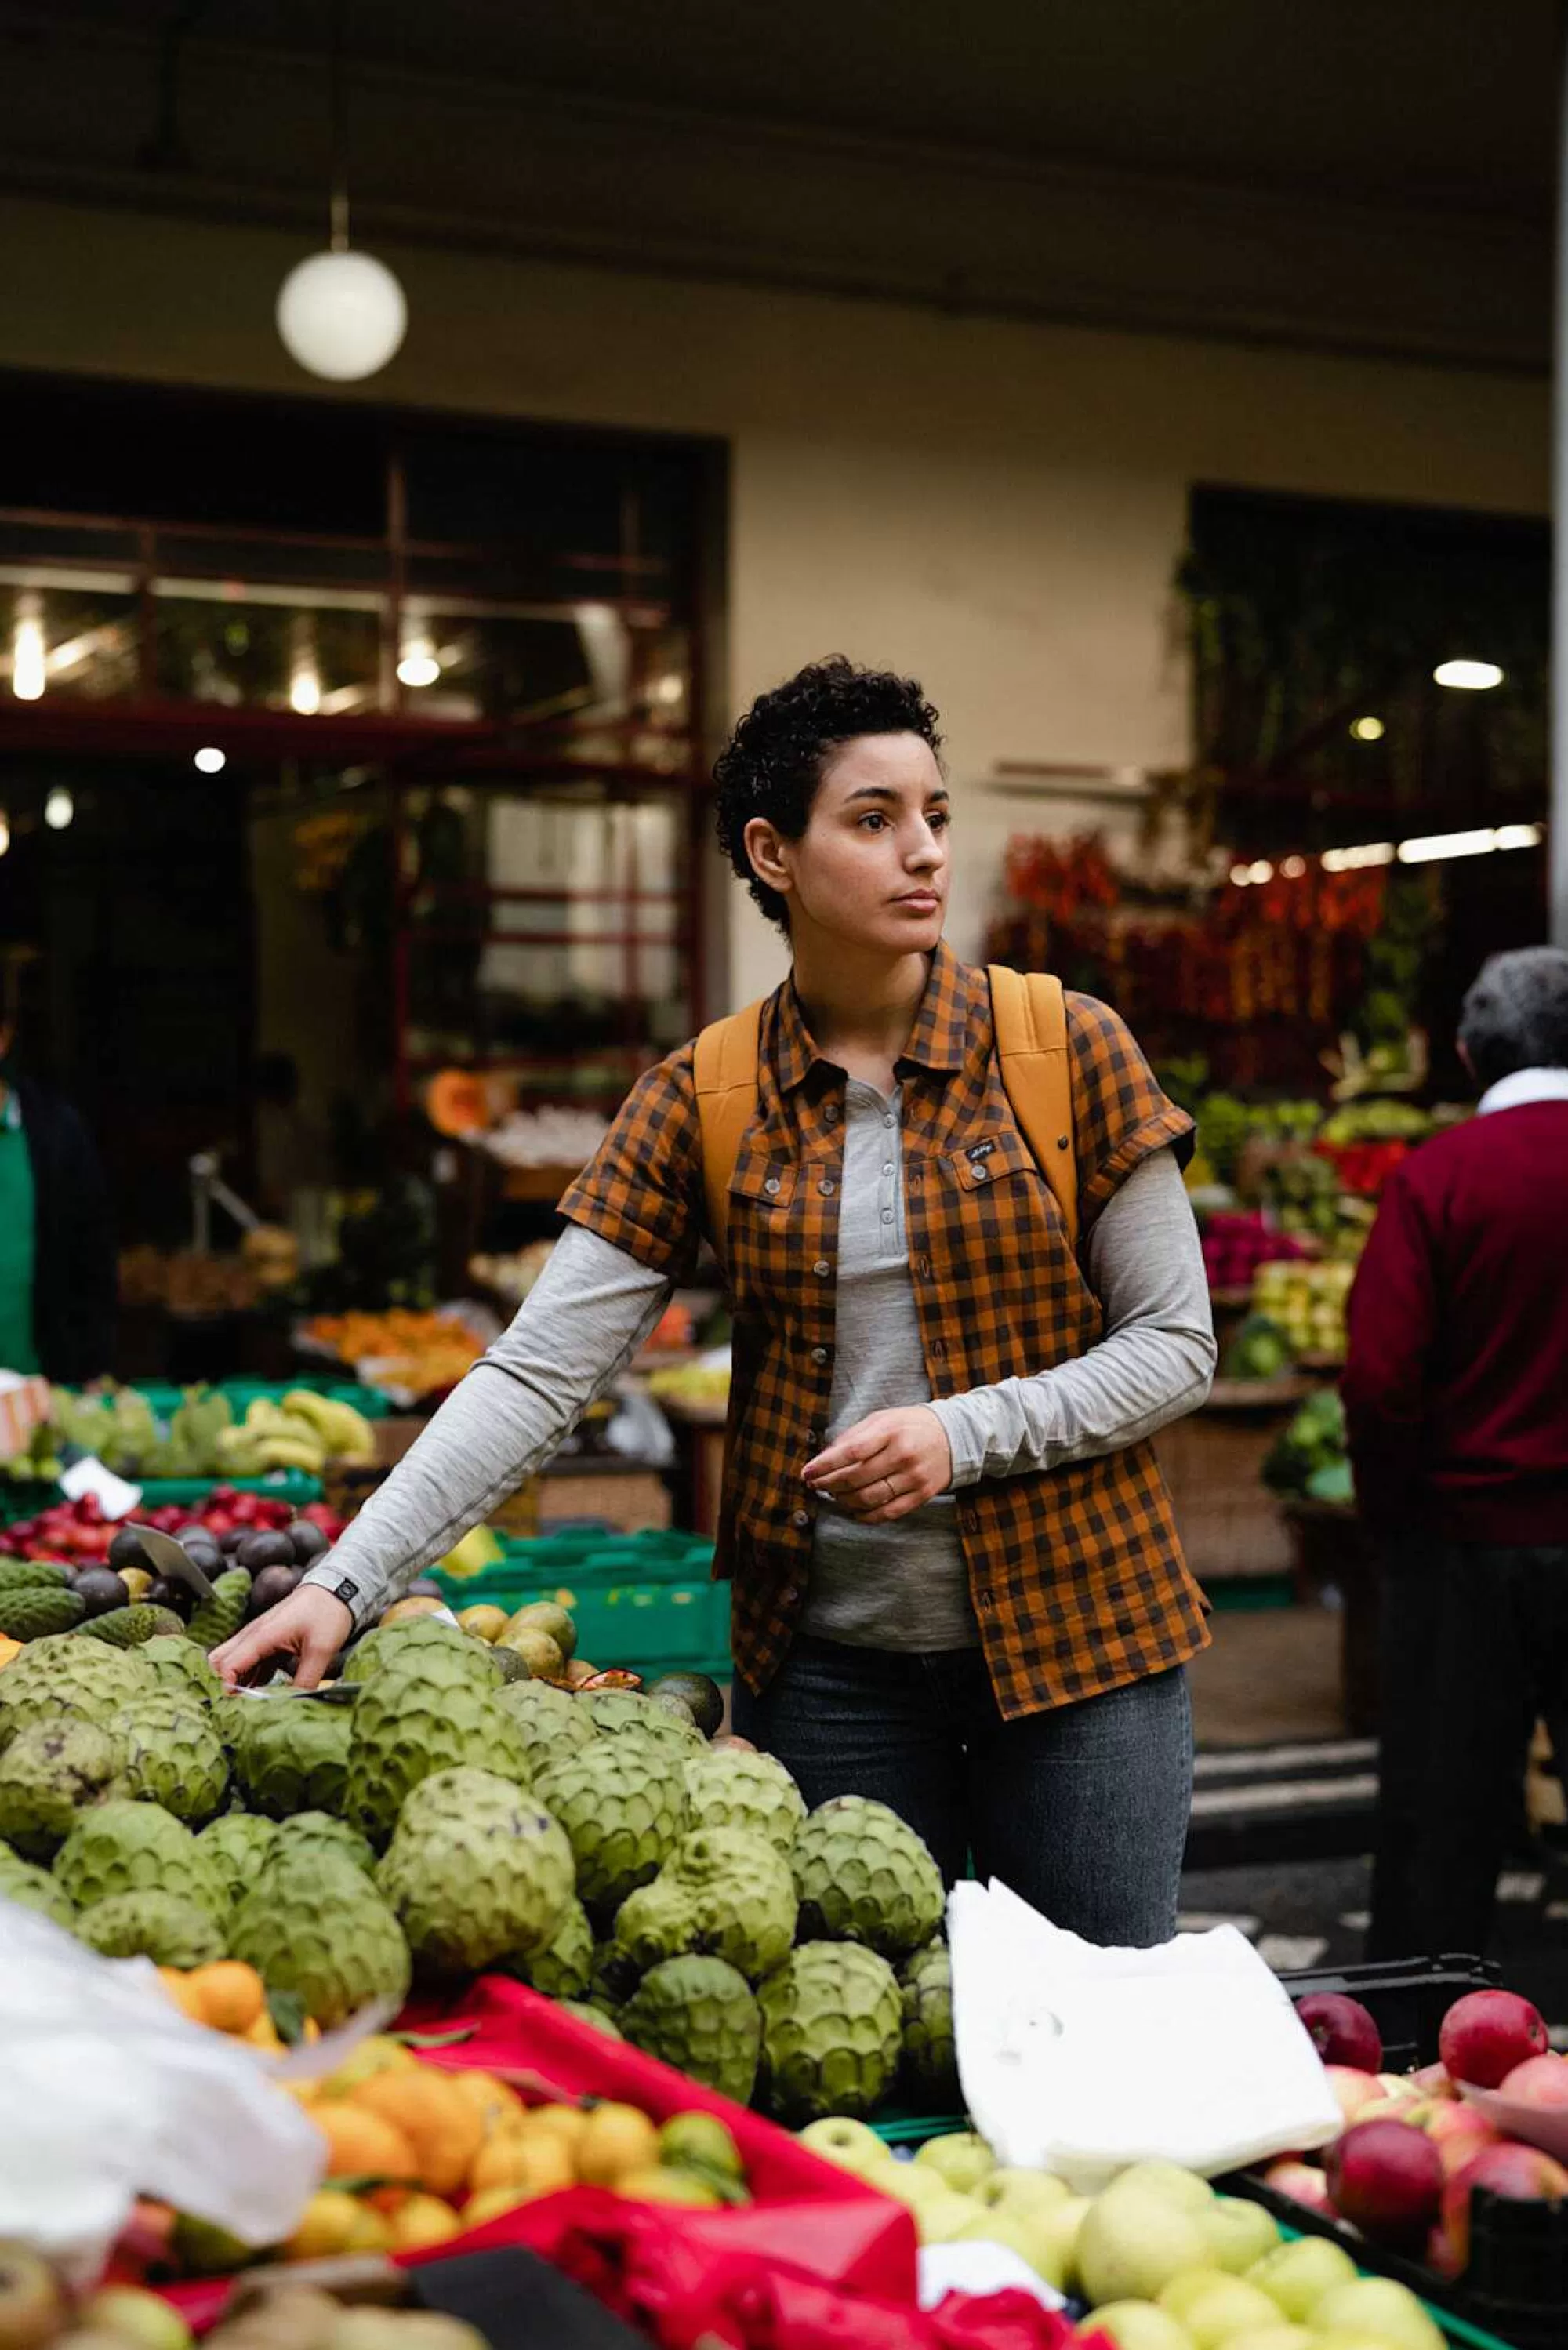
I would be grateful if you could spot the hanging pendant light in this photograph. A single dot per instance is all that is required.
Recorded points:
(341, 313)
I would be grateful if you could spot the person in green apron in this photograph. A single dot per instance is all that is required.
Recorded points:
(57, 1242)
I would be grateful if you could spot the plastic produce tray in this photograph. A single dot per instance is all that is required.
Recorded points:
(1515, 2290)
(165, 1397)
(290, 1485)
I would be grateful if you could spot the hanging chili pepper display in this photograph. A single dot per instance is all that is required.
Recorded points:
(1290, 950)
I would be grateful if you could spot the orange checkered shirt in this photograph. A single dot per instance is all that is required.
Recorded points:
(1076, 1574)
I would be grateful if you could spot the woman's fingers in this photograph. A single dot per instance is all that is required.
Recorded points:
(310, 1626)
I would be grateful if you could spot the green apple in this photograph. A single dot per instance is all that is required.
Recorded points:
(1136, 2326)
(854, 2147)
(1020, 2231)
(1297, 2276)
(939, 2209)
(1179, 2291)
(144, 2319)
(963, 2159)
(1388, 2312)
(1232, 2307)
(1132, 2243)
(1028, 2190)
(1239, 2233)
(1057, 2227)
(1182, 2188)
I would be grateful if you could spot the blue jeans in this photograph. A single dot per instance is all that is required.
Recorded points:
(1082, 1811)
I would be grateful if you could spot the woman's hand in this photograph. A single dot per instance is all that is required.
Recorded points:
(886, 1465)
(310, 1625)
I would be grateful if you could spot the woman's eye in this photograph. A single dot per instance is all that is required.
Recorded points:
(873, 819)
(940, 819)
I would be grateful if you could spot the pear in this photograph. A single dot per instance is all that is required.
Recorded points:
(962, 2159)
(854, 2145)
(1133, 2241)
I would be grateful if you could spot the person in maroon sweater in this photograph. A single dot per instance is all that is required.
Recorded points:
(1456, 1392)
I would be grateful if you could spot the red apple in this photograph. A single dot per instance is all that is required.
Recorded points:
(1458, 2133)
(1388, 2180)
(1541, 2082)
(1302, 2182)
(1342, 2030)
(1486, 2034)
(1353, 2089)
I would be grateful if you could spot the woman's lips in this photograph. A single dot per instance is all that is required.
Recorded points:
(924, 901)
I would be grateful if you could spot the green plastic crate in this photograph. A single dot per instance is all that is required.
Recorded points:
(684, 1625)
(165, 1397)
(291, 1485)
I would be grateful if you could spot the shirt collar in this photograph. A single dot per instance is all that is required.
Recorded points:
(1524, 1086)
(937, 1040)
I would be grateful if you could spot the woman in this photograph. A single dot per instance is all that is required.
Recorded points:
(957, 1584)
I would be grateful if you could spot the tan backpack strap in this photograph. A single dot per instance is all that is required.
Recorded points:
(724, 1064)
(1030, 1012)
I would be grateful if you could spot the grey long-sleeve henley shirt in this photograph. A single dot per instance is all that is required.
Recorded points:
(900, 1586)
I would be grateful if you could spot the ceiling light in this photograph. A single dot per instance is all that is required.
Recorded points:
(1242, 875)
(1293, 868)
(1446, 844)
(211, 760)
(1351, 860)
(29, 654)
(1520, 836)
(5, 834)
(59, 810)
(419, 665)
(1367, 730)
(1262, 871)
(341, 315)
(1467, 676)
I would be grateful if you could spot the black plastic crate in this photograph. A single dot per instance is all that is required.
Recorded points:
(1516, 2286)
(1407, 1999)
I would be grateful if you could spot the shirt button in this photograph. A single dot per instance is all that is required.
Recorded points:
(814, 1437)
(980, 1173)
(789, 1594)
(772, 1185)
(987, 1598)
(970, 1519)
(828, 1187)
(923, 1266)
(887, 1215)
(939, 1348)
(822, 1268)
(803, 1518)
(889, 1122)
(887, 1166)
(831, 1113)
(819, 1353)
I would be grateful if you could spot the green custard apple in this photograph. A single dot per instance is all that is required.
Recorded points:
(622, 1802)
(291, 1754)
(123, 1846)
(552, 1722)
(413, 1718)
(315, 1925)
(319, 1831)
(181, 1667)
(173, 1755)
(151, 1925)
(597, 2017)
(863, 1876)
(564, 1968)
(720, 1893)
(476, 1869)
(393, 1644)
(67, 1677)
(615, 1712)
(48, 1775)
(930, 2050)
(32, 1887)
(833, 2023)
(236, 1845)
(699, 2015)
(728, 1788)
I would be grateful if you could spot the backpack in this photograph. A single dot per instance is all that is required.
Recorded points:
(1031, 1015)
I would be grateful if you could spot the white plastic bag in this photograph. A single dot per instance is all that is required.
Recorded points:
(1081, 2060)
(107, 2091)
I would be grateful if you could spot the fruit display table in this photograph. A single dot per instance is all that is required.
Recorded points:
(1232, 1525)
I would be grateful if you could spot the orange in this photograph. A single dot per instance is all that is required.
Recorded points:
(8, 1649)
(424, 2219)
(566, 2124)
(178, 1986)
(617, 2139)
(440, 2123)
(492, 2099)
(328, 2225)
(263, 2033)
(524, 2164)
(378, 2054)
(362, 2145)
(230, 1995)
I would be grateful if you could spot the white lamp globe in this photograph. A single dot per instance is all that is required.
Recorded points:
(341, 315)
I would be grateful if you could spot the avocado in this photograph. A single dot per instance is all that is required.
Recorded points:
(703, 1698)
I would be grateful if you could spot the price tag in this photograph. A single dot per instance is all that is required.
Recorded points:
(87, 1475)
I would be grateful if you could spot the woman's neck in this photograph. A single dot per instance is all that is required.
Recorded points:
(860, 1009)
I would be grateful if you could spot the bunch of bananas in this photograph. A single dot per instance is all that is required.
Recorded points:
(304, 1432)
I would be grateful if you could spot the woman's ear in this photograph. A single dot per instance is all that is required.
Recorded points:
(768, 852)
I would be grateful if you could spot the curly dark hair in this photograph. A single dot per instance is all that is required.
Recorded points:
(774, 761)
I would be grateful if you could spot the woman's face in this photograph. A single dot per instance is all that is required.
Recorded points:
(871, 867)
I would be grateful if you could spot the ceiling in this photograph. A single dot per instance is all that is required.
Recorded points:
(1366, 174)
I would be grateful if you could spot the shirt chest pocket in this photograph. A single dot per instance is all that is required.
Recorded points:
(991, 1162)
(763, 1186)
